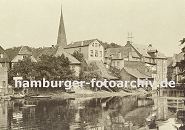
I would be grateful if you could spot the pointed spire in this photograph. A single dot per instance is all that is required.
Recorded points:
(61, 40)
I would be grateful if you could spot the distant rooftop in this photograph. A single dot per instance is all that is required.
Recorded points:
(80, 43)
(5, 56)
(145, 50)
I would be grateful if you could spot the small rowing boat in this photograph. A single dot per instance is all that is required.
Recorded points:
(39, 96)
(17, 97)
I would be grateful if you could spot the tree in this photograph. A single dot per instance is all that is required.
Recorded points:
(78, 55)
(116, 72)
(48, 67)
(23, 68)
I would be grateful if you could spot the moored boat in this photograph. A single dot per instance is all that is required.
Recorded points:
(17, 97)
(39, 96)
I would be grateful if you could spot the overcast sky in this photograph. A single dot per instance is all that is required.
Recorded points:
(35, 22)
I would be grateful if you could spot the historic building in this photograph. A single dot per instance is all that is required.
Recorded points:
(154, 61)
(3, 80)
(4, 65)
(91, 49)
(61, 44)
(174, 72)
(4, 59)
(115, 57)
(24, 52)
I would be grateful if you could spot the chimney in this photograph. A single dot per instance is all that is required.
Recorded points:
(82, 43)
(128, 42)
(150, 45)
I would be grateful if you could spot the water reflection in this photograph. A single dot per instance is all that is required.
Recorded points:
(113, 113)
(170, 108)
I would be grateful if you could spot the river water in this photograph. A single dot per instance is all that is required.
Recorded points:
(113, 113)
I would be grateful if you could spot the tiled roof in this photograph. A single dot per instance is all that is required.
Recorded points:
(37, 52)
(44, 51)
(114, 52)
(5, 56)
(12, 52)
(177, 58)
(80, 43)
(61, 51)
(25, 50)
(140, 66)
(134, 72)
(145, 49)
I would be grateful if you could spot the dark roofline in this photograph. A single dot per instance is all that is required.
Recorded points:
(81, 45)
(145, 56)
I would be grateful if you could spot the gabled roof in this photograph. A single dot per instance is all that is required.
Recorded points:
(144, 50)
(177, 58)
(25, 50)
(13, 52)
(80, 43)
(5, 56)
(45, 51)
(114, 52)
(140, 66)
(134, 72)
(61, 51)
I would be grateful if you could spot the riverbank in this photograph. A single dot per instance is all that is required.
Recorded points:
(85, 94)
(93, 94)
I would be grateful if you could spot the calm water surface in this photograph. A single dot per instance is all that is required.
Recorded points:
(113, 113)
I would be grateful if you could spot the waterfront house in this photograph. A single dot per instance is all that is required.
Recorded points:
(134, 71)
(115, 57)
(4, 65)
(4, 59)
(92, 50)
(153, 60)
(3, 81)
(174, 72)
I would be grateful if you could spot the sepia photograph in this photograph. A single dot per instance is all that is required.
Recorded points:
(92, 65)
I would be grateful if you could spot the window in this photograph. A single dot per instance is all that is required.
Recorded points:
(115, 64)
(93, 44)
(96, 44)
(119, 54)
(118, 63)
(91, 53)
(101, 54)
(96, 53)
(1, 55)
(24, 56)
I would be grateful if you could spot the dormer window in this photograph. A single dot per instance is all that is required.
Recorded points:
(101, 54)
(91, 53)
(96, 53)
(24, 56)
(119, 54)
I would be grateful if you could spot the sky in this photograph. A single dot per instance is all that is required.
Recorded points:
(35, 22)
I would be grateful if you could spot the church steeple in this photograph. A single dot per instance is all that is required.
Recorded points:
(61, 40)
